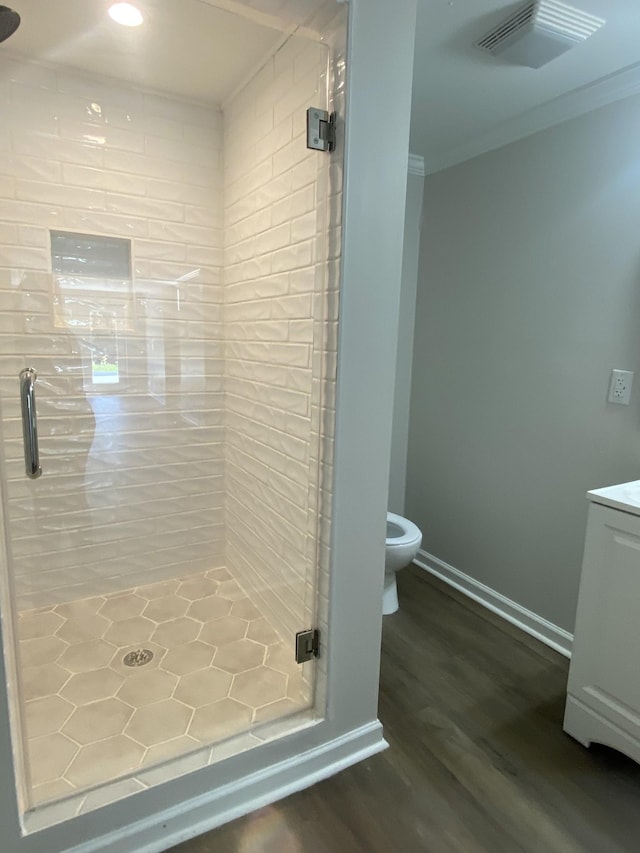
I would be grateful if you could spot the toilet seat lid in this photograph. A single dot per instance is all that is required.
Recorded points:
(409, 531)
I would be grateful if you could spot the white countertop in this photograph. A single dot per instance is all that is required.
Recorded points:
(626, 497)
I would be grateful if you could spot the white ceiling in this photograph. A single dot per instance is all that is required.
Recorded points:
(462, 94)
(204, 49)
(188, 48)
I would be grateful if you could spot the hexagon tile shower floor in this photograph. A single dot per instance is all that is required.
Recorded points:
(217, 668)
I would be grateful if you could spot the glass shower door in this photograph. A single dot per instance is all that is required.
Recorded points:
(163, 284)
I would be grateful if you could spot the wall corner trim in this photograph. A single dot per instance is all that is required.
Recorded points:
(528, 621)
(606, 90)
(416, 165)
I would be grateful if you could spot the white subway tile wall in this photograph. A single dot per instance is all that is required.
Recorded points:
(209, 453)
(274, 285)
(133, 485)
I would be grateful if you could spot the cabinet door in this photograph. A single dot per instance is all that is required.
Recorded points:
(604, 667)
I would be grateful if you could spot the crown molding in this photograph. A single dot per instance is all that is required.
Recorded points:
(614, 87)
(416, 165)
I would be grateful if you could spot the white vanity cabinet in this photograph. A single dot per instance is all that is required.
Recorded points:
(603, 701)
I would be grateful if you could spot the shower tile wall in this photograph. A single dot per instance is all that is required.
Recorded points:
(273, 216)
(133, 485)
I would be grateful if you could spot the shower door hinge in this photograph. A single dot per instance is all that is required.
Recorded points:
(321, 130)
(307, 645)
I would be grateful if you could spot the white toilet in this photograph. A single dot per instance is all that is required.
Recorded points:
(403, 541)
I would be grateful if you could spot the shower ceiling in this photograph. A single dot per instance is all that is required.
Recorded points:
(189, 48)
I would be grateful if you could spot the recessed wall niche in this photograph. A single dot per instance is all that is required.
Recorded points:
(94, 296)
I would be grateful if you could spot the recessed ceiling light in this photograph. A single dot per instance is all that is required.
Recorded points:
(126, 14)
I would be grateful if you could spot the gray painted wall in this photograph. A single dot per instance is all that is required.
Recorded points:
(404, 358)
(529, 295)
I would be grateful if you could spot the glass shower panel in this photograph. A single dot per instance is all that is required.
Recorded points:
(163, 281)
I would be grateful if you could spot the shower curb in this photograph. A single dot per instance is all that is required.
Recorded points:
(205, 812)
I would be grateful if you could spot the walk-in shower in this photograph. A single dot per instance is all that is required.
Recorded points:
(168, 309)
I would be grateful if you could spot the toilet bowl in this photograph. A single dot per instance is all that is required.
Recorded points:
(403, 541)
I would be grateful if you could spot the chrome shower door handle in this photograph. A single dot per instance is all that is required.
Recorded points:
(28, 378)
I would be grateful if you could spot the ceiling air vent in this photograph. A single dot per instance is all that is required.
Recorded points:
(539, 32)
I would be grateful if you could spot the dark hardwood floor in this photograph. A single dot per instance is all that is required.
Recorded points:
(472, 709)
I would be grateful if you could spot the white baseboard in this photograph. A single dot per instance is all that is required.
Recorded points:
(213, 808)
(528, 621)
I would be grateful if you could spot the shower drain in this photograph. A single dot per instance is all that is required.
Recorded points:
(138, 657)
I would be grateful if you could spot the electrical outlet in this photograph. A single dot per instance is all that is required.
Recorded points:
(620, 387)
